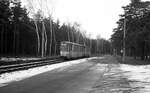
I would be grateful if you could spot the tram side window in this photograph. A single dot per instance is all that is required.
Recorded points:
(82, 48)
(79, 48)
(69, 47)
(63, 47)
(75, 48)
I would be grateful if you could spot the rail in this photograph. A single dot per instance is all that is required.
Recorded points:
(29, 64)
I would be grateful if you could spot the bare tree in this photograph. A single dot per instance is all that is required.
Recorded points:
(51, 28)
(32, 10)
(68, 34)
(76, 25)
(44, 34)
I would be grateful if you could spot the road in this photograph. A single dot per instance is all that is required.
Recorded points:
(99, 75)
(78, 78)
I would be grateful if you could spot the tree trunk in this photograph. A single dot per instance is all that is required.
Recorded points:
(54, 43)
(51, 38)
(2, 38)
(72, 36)
(68, 35)
(143, 51)
(6, 40)
(14, 42)
(43, 41)
(146, 50)
(78, 37)
(17, 41)
(38, 38)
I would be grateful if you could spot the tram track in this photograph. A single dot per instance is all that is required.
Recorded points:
(27, 65)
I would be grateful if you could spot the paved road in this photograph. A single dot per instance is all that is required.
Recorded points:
(78, 78)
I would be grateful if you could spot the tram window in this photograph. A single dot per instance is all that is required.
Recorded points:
(69, 47)
(63, 47)
(73, 47)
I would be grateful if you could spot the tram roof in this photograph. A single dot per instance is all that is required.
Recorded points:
(68, 42)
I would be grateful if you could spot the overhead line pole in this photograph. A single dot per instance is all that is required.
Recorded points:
(124, 39)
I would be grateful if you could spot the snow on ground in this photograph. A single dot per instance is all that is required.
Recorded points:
(6, 78)
(139, 77)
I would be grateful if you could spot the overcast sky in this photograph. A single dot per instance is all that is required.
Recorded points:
(95, 16)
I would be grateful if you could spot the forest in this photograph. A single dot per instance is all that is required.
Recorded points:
(24, 36)
(134, 23)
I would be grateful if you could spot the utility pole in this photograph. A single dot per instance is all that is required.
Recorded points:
(124, 39)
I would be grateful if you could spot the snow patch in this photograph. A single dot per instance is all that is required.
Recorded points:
(138, 73)
(139, 76)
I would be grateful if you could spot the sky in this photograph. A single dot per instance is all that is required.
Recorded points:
(96, 17)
